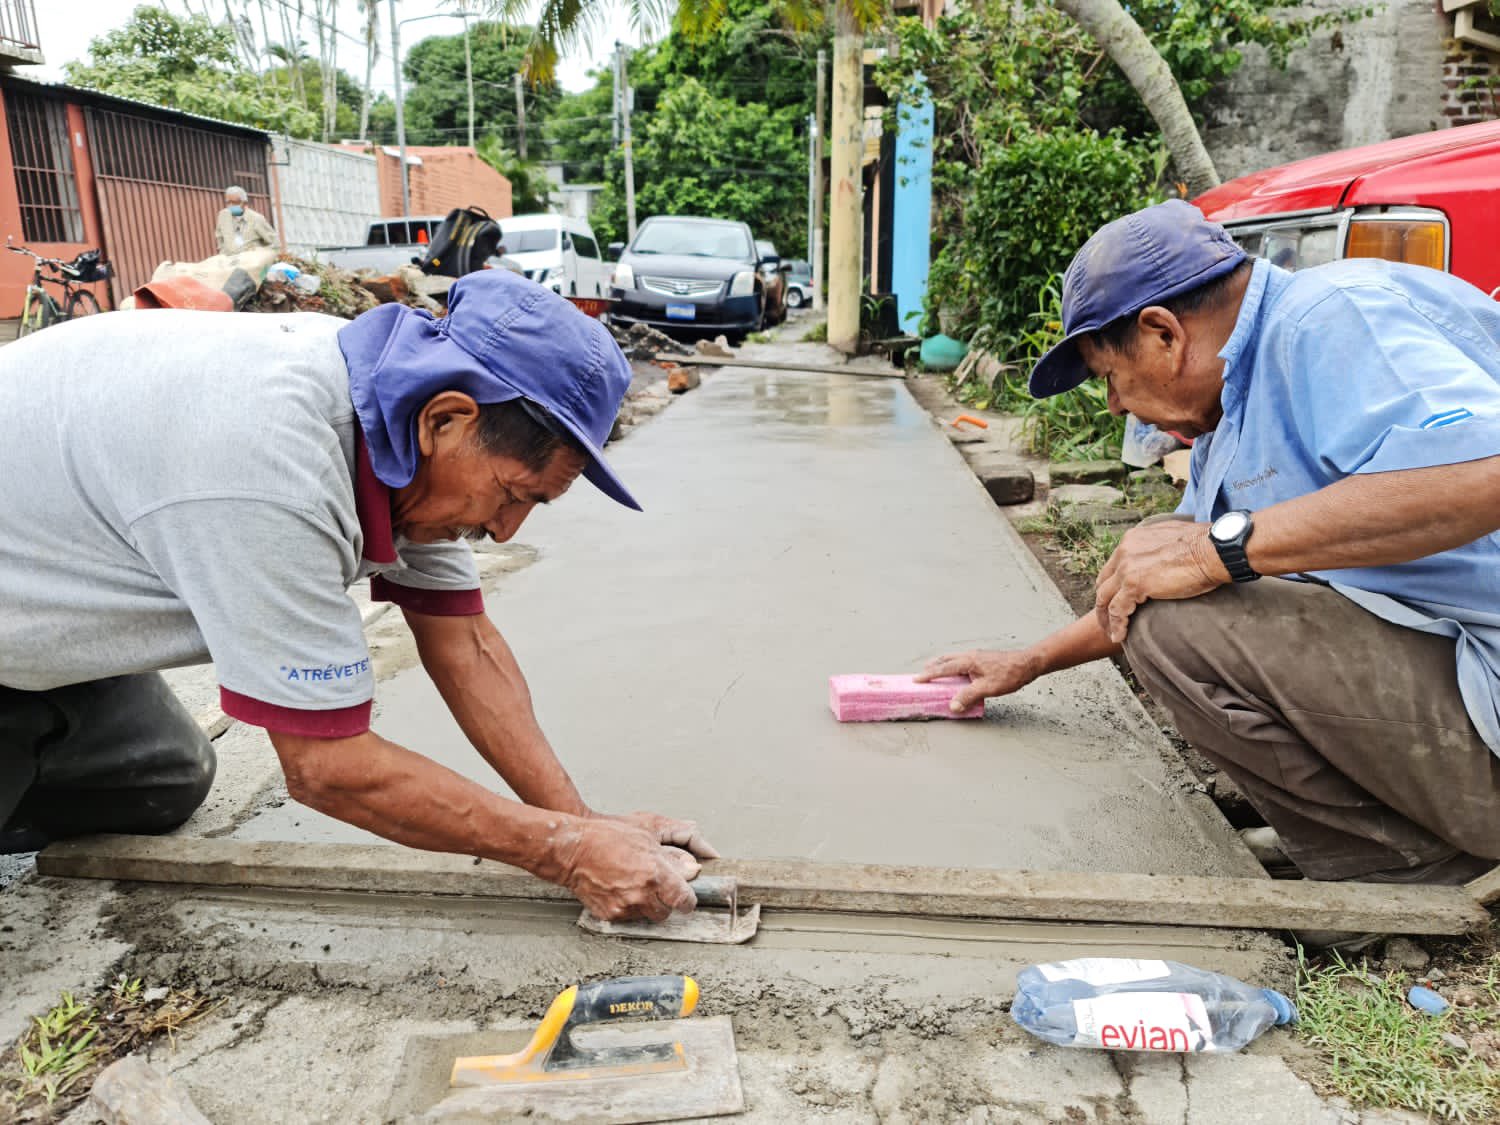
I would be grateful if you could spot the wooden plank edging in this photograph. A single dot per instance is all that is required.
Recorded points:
(944, 892)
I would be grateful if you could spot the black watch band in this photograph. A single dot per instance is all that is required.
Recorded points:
(1232, 549)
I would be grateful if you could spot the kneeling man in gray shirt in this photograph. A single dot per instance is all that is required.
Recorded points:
(185, 487)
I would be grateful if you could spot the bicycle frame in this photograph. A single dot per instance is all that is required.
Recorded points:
(39, 308)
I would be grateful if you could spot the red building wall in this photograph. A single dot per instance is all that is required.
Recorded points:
(449, 176)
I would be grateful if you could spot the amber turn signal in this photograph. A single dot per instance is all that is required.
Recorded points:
(1418, 242)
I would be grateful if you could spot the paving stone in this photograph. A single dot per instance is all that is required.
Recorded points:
(1004, 478)
(1088, 472)
(1084, 493)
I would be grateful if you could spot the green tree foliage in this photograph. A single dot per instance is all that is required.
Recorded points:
(719, 125)
(1039, 140)
(529, 186)
(697, 154)
(187, 63)
(437, 99)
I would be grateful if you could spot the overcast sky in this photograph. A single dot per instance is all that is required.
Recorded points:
(68, 25)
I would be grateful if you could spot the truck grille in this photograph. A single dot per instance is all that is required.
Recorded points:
(682, 286)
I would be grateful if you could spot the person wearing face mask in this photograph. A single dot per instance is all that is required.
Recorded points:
(238, 228)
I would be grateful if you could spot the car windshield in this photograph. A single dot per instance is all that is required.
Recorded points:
(702, 240)
(526, 241)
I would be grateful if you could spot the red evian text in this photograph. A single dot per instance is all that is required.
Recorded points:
(1141, 1037)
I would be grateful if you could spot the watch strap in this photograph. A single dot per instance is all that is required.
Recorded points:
(1232, 553)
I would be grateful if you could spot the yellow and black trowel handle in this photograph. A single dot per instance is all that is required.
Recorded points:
(552, 1054)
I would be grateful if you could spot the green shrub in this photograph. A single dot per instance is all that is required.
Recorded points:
(1034, 202)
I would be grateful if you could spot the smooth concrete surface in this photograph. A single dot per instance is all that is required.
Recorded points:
(797, 526)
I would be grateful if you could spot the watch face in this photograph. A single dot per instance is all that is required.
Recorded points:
(1229, 526)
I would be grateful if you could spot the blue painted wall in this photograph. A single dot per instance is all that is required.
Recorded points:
(911, 238)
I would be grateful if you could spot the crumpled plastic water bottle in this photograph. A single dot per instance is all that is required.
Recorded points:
(1122, 1004)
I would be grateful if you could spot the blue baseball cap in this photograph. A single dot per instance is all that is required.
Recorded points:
(504, 338)
(1141, 260)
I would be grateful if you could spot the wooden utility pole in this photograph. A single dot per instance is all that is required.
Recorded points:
(820, 185)
(846, 212)
(520, 118)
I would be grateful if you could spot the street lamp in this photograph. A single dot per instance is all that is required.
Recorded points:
(463, 14)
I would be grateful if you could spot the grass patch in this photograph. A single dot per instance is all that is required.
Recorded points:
(1073, 426)
(52, 1066)
(1083, 546)
(761, 337)
(1382, 1052)
(817, 334)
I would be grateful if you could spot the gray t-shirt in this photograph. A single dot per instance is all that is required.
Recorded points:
(191, 486)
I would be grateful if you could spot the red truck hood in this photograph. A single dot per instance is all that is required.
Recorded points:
(1321, 183)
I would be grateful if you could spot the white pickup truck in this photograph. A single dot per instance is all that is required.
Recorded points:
(389, 245)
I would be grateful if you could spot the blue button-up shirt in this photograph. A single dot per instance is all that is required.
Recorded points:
(1364, 366)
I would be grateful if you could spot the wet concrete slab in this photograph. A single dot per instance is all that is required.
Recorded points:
(800, 525)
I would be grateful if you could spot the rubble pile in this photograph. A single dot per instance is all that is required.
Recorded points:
(641, 341)
(346, 294)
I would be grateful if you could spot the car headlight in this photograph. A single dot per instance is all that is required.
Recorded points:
(743, 284)
(624, 276)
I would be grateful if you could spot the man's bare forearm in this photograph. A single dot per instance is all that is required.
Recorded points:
(384, 788)
(479, 679)
(1378, 519)
(1082, 641)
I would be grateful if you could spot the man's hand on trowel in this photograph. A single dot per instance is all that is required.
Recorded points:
(621, 870)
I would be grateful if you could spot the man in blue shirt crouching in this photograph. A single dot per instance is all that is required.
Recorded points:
(1347, 452)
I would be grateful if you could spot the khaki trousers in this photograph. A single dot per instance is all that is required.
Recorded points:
(1346, 733)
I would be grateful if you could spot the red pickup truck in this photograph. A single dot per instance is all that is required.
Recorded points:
(1433, 200)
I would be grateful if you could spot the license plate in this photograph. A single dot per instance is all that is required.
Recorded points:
(682, 312)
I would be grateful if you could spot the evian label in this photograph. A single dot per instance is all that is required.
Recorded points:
(1144, 1021)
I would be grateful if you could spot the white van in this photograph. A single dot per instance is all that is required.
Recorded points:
(558, 251)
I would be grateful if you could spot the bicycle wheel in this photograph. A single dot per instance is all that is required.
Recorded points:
(82, 303)
(37, 313)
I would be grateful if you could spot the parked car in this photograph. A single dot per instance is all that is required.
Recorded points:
(773, 281)
(691, 277)
(1432, 200)
(799, 287)
(389, 244)
(557, 251)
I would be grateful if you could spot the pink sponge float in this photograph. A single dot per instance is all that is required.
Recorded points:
(873, 699)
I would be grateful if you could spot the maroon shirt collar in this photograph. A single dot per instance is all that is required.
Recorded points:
(372, 504)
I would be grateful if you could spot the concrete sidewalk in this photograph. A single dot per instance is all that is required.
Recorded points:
(799, 525)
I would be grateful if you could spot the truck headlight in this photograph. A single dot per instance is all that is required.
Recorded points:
(624, 276)
(743, 284)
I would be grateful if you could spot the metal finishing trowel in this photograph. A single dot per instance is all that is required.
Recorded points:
(664, 1070)
(723, 926)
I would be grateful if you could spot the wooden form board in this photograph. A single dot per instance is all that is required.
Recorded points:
(776, 365)
(941, 892)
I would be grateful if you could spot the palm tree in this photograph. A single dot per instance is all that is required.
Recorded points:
(371, 9)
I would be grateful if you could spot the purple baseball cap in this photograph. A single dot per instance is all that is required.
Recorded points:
(504, 339)
(1141, 260)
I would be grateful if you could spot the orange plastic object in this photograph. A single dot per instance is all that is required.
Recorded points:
(962, 418)
(182, 293)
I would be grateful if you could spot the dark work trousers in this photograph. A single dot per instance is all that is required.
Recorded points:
(1347, 733)
(115, 755)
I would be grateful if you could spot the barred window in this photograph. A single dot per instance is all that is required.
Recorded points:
(43, 158)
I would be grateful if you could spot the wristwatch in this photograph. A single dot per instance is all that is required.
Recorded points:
(1229, 534)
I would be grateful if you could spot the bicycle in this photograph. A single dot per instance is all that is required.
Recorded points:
(41, 309)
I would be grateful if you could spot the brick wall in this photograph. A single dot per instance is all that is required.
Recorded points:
(448, 176)
(1471, 84)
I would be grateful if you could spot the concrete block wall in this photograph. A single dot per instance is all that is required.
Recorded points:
(328, 195)
(1385, 75)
